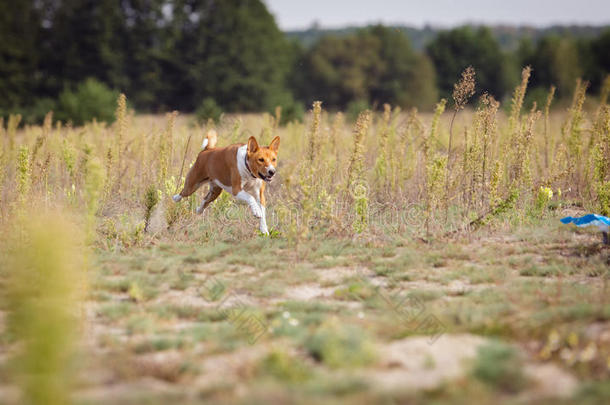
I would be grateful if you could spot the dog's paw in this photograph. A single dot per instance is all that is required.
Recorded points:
(264, 230)
(177, 198)
(256, 211)
(199, 210)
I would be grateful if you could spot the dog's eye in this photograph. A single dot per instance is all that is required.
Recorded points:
(261, 160)
(274, 159)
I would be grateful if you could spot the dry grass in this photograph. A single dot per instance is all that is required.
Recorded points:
(385, 233)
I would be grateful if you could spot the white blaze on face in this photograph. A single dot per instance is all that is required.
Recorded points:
(270, 168)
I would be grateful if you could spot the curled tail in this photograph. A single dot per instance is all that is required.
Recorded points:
(210, 140)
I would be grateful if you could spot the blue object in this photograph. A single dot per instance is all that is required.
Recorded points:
(600, 221)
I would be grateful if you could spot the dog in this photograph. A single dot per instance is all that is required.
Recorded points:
(239, 169)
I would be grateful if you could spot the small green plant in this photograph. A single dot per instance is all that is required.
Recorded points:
(69, 159)
(90, 100)
(543, 198)
(494, 184)
(208, 110)
(355, 169)
(23, 174)
(499, 366)
(151, 198)
(135, 292)
(287, 110)
(284, 367)
(361, 207)
(355, 108)
(340, 346)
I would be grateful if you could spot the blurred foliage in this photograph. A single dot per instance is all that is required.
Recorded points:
(376, 65)
(284, 367)
(554, 61)
(44, 281)
(355, 107)
(208, 110)
(290, 109)
(340, 346)
(91, 99)
(452, 51)
(499, 365)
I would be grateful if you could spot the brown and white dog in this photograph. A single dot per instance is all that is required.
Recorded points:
(239, 169)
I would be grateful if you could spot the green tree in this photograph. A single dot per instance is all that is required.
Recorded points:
(19, 34)
(404, 78)
(452, 51)
(230, 50)
(595, 58)
(143, 53)
(84, 38)
(375, 65)
(554, 61)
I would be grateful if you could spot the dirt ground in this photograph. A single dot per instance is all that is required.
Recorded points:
(476, 319)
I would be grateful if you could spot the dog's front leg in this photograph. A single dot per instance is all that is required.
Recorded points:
(251, 201)
(260, 198)
(244, 196)
(263, 224)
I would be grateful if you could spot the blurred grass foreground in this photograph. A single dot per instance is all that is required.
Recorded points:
(43, 284)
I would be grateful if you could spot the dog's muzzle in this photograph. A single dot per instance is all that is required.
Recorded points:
(268, 176)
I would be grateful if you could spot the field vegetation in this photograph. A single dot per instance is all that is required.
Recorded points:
(412, 258)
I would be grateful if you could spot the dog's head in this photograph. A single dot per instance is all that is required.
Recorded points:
(263, 159)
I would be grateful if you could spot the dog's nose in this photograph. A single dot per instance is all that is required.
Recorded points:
(271, 172)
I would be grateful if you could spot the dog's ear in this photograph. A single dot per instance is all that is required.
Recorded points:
(252, 145)
(275, 144)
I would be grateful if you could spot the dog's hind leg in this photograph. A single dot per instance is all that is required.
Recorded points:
(212, 194)
(189, 188)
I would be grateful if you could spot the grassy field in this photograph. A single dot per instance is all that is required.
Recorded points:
(412, 258)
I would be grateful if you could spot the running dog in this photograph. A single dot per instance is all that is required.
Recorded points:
(239, 169)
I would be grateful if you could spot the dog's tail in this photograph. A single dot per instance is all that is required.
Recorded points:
(210, 140)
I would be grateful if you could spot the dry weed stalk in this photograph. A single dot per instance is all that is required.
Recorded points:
(121, 129)
(462, 91)
(355, 169)
(486, 133)
(24, 180)
(314, 132)
(165, 147)
(435, 168)
(517, 101)
(381, 163)
(601, 161)
(547, 126)
(573, 133)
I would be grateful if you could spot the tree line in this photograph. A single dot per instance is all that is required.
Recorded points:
(230, 55)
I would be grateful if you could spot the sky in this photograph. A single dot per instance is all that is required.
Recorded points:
(299, 14)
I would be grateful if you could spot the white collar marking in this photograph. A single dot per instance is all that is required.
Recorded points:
(246, 177)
